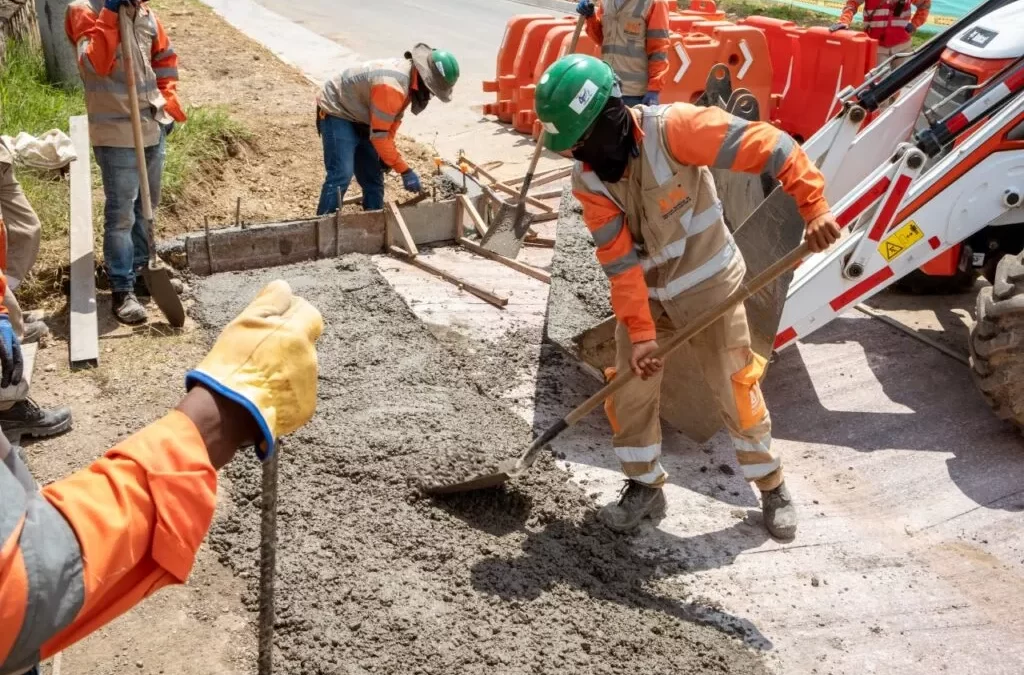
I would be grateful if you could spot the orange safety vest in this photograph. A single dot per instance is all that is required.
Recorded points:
(87, 548)
(886, 20)
(634, 40)
(659, 231)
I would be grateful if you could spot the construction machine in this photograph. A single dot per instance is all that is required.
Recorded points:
(924, 167)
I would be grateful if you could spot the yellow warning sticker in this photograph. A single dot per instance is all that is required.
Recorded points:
(902, 238)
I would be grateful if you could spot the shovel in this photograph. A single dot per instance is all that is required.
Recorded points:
(512, 468)
(157, 275)
(512, 221)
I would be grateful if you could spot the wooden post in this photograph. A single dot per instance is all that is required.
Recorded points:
(487, 296)
(474, 215)
(410, 245)
(460, 222)
(507, 189)
(528, 270)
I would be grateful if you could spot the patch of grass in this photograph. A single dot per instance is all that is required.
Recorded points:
(209, 135)
(775, 10)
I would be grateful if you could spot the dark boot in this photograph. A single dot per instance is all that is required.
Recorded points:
(636, 502)
(127, 309)
(779, 512)
(27, 418)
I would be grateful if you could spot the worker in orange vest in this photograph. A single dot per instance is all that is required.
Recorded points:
(634, 39)
(87, 548)
(890, 22)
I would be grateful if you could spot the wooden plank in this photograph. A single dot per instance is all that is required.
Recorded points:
(545, 217)
(460, 221)
(84, 342)
(399, 222)
(550, 194)
(528, 270)
(496, 300)
(478, 222)
(544, 178)
(539, 242)
(507, 189)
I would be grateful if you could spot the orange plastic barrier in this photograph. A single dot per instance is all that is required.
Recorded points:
(519, 50)
(822, 64)
(705, 9)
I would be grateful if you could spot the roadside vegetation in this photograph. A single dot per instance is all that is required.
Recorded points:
(30, 104)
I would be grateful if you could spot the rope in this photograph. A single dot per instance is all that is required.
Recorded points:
(268, 550)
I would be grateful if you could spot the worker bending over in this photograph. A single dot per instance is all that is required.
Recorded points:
(92, 27)
(358, 114)
(633, 37)
(650, 204)
(890, 22)
(86, 549)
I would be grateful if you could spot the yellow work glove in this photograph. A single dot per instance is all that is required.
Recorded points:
(265, 361)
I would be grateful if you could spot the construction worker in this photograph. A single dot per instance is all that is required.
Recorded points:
(20, 233)
(650, 204)
(86, 549)
(889, 22)
(634, 39)
(358, 114)
(92, 26)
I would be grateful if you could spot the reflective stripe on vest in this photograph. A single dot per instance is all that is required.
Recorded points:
(348, 95)
(624, 46)
(52, 560)
(106, 97)
(884, 24)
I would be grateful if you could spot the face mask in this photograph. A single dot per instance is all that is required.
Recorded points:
(609, 142)
(420, 99)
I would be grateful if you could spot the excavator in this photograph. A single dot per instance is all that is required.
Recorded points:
(924, 167)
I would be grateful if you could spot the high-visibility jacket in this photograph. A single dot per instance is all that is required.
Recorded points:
(634, 40)
(886, 20)
(374, 94)
(659, 230)
(87, 548)
(93, 30)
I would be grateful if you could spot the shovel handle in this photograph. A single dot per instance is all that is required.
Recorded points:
(699, 324)
(133, 100)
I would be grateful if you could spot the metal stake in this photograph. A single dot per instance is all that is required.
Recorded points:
(268, 550)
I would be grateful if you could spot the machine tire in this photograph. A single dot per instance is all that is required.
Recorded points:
(997, 342)
(919, 283)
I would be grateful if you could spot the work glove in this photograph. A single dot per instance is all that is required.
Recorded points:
(411, 181)
(650, 98)
(11, 363)
(585, 8)
(837, 26)
(265, 360)
(910, 28)
(115, 5)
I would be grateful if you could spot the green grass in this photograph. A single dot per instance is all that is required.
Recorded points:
(205, 139)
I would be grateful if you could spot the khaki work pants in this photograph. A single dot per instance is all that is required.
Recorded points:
(731, 369)
(884, 53)
(23, 232)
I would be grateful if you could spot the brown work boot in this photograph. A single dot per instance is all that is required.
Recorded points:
(779, 513)
(127, 308)
(636, 502)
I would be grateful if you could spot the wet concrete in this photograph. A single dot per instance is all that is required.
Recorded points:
(372, 578)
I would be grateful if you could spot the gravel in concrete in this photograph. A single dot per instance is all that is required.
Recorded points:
(373, 578)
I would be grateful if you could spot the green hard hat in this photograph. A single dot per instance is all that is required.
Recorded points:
(569, 97)
(446, 65)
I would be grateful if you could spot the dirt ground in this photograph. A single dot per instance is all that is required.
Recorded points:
(278, 174)
(375, 578)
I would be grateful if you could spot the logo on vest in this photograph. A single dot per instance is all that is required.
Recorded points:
(634, 28)
(673, 202)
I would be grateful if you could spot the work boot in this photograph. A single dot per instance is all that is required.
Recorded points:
(779, 513)
(27, 418)
(142, 289)
(636, 502)
(127, 308)
(34, 331)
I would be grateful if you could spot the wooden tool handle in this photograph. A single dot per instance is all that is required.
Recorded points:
(133, 99)
(703, 321)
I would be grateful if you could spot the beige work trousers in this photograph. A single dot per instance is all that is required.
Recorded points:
(883, 53)
(23, 232)
(731, 369)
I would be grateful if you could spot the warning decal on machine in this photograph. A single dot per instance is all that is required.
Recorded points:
(900, 240)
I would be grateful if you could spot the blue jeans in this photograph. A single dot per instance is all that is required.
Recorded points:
(348, 151)
(125, 241)
(632, 100)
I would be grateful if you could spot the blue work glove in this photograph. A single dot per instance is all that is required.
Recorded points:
(837, 26)
(11, 364)
(910, 28)
(115, 5)
(411, 181)
(168, 128)
(650, 98)
(585, 8)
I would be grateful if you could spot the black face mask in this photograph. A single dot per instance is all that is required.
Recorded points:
(609, 142)
(420, 98)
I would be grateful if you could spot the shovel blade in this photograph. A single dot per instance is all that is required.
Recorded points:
(508, 229)
(506, 470)
(158, 279)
